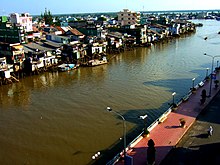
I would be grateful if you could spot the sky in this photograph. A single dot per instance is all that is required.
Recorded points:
(36, 7)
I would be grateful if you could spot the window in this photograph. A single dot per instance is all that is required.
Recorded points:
(121, 14)
(129, 22)
(129, 18)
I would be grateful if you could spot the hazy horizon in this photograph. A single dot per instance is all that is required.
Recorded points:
(85, 6)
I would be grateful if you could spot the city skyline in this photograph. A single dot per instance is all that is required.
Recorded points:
(85, 6)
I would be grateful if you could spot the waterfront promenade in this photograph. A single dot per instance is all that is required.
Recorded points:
(167, 134)
(196, 147)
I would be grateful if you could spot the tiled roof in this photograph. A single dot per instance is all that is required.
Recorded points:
(66, 28)
(60, 29)
(76, 32)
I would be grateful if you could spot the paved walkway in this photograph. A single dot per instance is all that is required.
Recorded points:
(196, 147)
(167, 134)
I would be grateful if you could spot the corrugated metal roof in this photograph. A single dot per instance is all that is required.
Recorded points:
(34, 46)
(53, 44)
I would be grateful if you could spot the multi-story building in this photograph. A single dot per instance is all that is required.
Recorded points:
(137, 32)
(10, 33)
(127, 17)
(25, 20)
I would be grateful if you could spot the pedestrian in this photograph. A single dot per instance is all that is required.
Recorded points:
(210, 131)
(151, 152)
(203, 96)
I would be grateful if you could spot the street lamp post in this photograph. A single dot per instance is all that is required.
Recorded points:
(173, 94)
(144, 119)
(213, 58)
(207, 72)
(193, 81)
(124, 129)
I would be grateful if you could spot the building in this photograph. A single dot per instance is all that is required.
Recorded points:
(10, 33)
(75, 35)
(58, 38)
(127, 17)
(25, 20)
(14, 53)
(139, 33)
(3, 19)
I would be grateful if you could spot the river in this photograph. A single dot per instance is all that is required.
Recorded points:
(61, 118)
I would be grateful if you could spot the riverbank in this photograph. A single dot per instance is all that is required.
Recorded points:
(38, 62)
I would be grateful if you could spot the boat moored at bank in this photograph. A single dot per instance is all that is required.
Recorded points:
(66, 67)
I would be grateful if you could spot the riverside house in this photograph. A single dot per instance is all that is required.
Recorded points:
(4, 71)
(14, 53)
(14, 56)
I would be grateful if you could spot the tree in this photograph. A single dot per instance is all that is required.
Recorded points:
(102, 19)
(58, 22)
(47, 16)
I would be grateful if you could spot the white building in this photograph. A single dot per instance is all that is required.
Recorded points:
(127, 17)
(25, 20)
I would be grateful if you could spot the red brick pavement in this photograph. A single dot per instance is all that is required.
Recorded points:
(168, 133)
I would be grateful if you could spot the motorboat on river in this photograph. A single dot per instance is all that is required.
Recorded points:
(66, 67)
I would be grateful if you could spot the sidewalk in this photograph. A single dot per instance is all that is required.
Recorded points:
(167, 134)
(196, 147)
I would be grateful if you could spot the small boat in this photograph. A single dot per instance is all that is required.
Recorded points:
(199, 24)
(97, 62)
(66, 67)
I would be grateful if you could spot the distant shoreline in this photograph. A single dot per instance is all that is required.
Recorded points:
(162, 11)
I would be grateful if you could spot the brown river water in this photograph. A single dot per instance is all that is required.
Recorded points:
(61, 118)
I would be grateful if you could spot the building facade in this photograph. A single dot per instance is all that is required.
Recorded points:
(127, 17)
(14, 53)
(25, 20)
(10, 33)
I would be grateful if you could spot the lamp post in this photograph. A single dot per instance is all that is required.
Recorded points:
(213, 58)
(124, 129)
(193, 81)
(207, 72)
(144, 119)
(173, 94)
